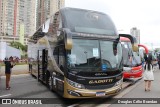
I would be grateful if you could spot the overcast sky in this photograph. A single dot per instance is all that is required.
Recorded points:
(143, 14)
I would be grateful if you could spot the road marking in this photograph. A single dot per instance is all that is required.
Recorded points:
(5, 95)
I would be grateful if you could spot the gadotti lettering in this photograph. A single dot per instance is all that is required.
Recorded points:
(100, 81)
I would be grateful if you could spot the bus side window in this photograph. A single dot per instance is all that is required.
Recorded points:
(61, 57)
(56, 55)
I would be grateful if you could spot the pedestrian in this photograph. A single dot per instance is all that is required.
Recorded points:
(159, 61)
(30, 64)
(8, 67)
(148, 74)
(11, 58)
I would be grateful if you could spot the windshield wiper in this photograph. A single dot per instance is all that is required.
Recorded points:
(88, 69)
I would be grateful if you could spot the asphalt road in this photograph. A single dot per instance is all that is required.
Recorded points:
(25, 86)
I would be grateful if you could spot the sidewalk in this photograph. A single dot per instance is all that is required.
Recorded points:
(139, 92)
(18, 69)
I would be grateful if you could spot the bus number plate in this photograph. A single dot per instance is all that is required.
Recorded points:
(100, 94)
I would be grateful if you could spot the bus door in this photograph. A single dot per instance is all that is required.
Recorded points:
(58, 79)
(42, 64)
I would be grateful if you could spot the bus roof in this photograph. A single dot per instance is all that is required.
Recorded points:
(103, 24)
(79, 9)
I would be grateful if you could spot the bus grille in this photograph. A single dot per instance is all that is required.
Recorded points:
(99, 86)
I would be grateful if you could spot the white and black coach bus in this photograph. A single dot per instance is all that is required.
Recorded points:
(78, 54)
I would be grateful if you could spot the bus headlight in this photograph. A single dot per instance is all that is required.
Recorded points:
(137, 70)
(118, 82)
(127, 69)
(74, 84)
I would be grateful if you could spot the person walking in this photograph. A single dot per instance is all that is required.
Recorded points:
(148, 74)
(159, 61)
(8, 67)
(30, 64)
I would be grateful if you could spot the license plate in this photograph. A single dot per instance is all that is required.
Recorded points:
(100, 93)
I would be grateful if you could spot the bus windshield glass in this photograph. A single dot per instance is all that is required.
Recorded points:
(94, 56)
(89, 22)
(130, 58)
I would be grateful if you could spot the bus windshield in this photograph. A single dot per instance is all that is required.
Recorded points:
(94, 56)
(89, 22)
(130, 58)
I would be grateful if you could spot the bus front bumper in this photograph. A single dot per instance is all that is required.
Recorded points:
(72, 92)
(133, 74)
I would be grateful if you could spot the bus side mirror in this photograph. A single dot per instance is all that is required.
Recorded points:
(68, 42)
(133, 41)
(67, 38)
(135, 47)
(65, 35)
(146, 49)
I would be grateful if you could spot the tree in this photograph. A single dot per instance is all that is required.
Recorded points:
(18, 45)
(24, 48)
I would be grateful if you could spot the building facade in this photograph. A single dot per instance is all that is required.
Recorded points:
(9, 39)
(15, 12)
(30, 13)
(46, 8)
(136, 33)
(7, 17)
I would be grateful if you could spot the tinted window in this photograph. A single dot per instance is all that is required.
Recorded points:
(95, 56)
(89, 22)
(130, 58)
